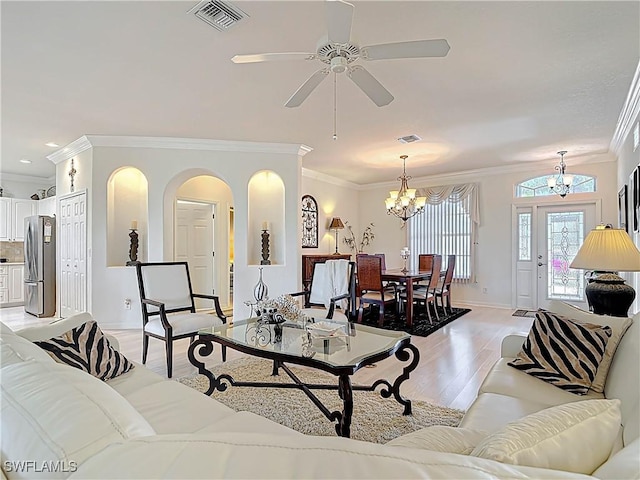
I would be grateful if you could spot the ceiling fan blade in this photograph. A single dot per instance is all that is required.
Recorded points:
(272, 57)
(416, 49)
(370, 86)
(339, 18)
(306, 88)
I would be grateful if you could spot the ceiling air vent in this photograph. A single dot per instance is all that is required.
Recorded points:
(220, 15)
(409, 139)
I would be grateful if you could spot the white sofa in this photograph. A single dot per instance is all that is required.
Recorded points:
(140, 425)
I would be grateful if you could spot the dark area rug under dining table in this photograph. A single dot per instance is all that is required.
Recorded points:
(421, 325)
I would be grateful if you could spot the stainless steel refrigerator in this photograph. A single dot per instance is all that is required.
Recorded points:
(40, 266)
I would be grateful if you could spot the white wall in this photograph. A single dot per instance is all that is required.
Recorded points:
(23, 186)
(628, 160)
(493, 264)
(166, 168)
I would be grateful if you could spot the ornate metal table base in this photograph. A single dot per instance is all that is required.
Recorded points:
(203, 347)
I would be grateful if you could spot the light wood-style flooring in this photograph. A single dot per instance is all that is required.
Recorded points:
(453, 361)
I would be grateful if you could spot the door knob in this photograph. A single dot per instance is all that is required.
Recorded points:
(541, 264)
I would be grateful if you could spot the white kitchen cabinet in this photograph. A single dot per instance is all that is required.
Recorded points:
(13, 211)
(11, 284)
(47, 206)
(5, 219)
(16, 283)
(4, 284)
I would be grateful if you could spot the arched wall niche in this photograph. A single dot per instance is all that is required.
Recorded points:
(266, 199)
(127, 207)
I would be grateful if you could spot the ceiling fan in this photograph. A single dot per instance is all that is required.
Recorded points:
(339, 54)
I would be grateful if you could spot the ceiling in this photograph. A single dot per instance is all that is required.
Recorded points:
(522, 80)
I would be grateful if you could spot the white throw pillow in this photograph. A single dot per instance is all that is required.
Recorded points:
(618, 325)
(574, 437)
(440, 438)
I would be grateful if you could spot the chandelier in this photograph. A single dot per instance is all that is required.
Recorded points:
(403, 203)
(560, 184)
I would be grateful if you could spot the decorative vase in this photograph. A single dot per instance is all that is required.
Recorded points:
(260, 291)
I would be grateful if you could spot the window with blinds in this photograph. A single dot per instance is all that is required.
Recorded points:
(444, 229)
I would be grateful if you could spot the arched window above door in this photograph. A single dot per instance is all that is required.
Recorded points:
(538, 187)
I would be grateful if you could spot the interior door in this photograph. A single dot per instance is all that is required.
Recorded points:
(560, 233)
(73, 254)
(194, 244)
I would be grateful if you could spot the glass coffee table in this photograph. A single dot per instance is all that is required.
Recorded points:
(341, 354)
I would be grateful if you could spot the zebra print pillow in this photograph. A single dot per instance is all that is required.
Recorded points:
(563, 353)
(86, 347)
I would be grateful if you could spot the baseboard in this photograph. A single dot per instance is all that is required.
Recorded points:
(482, 304)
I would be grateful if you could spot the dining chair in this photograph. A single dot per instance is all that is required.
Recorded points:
(425, 264)
(371, 289)
(168, 307)
(444, 289)
(427, 296)
(333, 286)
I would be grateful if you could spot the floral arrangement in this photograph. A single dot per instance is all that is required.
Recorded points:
(367, 237)
(281, 308)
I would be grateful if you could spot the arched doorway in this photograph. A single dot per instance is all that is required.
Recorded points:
(203, 235)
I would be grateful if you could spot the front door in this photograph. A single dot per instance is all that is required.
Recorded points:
(560, 233)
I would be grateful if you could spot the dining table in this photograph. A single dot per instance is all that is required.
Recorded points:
(408, 278)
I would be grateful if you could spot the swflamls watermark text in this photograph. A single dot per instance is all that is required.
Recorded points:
(35, 466)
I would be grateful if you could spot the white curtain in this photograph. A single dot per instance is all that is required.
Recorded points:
(448, 226)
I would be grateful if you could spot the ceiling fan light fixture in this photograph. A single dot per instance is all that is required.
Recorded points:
(338, 64)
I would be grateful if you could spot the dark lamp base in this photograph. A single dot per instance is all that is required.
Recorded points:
(609, 295)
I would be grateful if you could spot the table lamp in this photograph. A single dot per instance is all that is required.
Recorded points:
(336, 224)
(607, 250)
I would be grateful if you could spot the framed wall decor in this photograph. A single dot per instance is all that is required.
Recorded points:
(623, 210)
(309, 222)
(632, 201)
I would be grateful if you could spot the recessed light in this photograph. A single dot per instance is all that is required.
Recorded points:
(24, 160)
(52, 144)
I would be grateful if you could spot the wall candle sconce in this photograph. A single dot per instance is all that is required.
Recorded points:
(72, 174)
(265, 244)
(133, 244)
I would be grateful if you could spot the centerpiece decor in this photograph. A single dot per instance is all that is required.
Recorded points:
(405, 253)
(275, 312)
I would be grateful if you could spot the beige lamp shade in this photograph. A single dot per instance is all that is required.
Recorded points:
(336, 224)
(608, 250)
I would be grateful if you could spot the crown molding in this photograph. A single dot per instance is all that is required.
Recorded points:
(485, 172)
(88, 141)
(628, 114)
(323, 177)
(74, 148)
(13, 177)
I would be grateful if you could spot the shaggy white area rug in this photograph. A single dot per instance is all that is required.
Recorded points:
(375, 419)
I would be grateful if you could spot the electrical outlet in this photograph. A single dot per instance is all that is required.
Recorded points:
(484, 290)
(127, 304)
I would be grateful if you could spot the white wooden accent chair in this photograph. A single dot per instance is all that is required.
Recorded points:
(168, 307)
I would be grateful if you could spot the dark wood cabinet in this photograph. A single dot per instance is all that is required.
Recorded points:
(308, 261)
